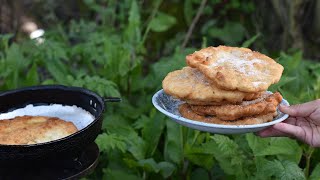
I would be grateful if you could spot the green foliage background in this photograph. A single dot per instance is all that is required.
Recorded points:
(127, 53)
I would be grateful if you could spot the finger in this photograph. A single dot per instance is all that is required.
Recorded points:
(290, 129)
(302, 110)
(271, 132)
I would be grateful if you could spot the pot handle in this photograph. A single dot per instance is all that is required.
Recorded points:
(112, 99)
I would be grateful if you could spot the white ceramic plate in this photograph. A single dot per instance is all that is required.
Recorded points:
(169, 106)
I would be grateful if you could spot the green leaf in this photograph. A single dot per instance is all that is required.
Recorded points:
(32, 77)
(166, 169)
(108, 142)
(230, 157)
(162, 22)
(98, 84)
(58, 70)
(231, 33)
(285, 148)
(133, 33)
(284, 170)
(315, 175)
(152, 131)
(149, 165)
(114, 174)
(202, 155)
(173, 151)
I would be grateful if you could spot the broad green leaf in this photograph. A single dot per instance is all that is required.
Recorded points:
(137, 147)
(149, 165)
(166, 169)
(285, 148)
(32, 77)
(133, 32)
(231, 33)
(152, 131)
(315, 175)
(173, 151)
(162, 22)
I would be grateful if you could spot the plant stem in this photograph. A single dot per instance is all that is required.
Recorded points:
(193, 24)
(308, 158)
(153, 14)
(195, 137)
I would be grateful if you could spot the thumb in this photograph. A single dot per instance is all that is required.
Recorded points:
(301, 110)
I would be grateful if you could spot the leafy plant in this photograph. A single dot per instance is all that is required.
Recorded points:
(116, 55)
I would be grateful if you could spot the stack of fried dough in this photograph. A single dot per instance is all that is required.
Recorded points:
(226, 85)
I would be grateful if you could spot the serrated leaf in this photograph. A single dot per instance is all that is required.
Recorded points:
(108, 142)
(100, 85)
(285, 148)
(230, 157)
(284, 170)
(162, 22)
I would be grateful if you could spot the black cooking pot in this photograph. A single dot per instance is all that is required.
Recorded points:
(53, 94)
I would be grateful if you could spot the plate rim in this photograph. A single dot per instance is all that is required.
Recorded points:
(212, 125)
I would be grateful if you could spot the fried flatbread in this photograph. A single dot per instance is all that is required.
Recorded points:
(234, 68)
(186, 111)
(224, 102)
(230, 112)
(34, 129)
(191, 85)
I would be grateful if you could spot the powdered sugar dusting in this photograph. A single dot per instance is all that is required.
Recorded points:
(200, 77)
(258, 83)
(238, 61)
(78, 116)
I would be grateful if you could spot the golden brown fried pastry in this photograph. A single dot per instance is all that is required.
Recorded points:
(230, 112)
(247, 98)
(234, 68)
(34, 129)
(191, 85)
(186, 111)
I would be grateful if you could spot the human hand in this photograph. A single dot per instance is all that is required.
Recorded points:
(303, 123)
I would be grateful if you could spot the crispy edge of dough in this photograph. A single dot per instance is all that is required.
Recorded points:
(195, 90)
(232, 112)
(199, 61)
(187, 112)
